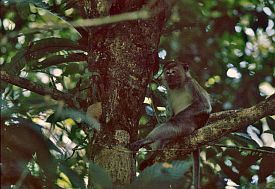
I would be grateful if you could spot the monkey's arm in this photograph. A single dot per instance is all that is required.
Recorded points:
(201, 99)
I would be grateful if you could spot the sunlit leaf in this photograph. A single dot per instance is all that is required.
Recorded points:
(75, 179)
(243, 139)
(63, 114)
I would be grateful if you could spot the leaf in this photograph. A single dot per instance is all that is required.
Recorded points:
(144, 119)
(18, 62)
(243, 139)
(267, 167)
(212, 152)
(72, 68)
(20, 140)
(271, 132)
(63, 114)
(228, 171)
(38, 3)
(162, 175)
(75, 179)
(259, 126)
(59, 59)
(271, 123)
(41, 48)
(246, 163)
(233, 153)
(100, 177)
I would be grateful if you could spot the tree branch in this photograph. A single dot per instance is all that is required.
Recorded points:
(39, 89)
(141, 14)
(220, 124)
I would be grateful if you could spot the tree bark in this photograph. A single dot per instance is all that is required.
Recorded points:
(123, 56)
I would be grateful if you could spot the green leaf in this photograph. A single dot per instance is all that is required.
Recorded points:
(59, 59)
(100, 178)
(41, 48)
(243, 139)
(18, 62)
(38, 3)
(72, 68)
(162, 175)
(63, 114)
(75, 179)
(144, 120)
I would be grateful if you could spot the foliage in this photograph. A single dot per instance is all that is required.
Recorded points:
(162, 175)
(230, 45)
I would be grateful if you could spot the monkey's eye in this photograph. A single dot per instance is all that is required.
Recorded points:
(170, 72)
(173, 71)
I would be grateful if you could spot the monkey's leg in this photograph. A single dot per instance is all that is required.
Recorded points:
(163, 131)
(196, 169)
(140, 143)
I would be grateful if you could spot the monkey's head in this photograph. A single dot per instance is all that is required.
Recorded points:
(176, 74)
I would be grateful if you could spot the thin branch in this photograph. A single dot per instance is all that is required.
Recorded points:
(245, 149)
(241, 148)
(141, 14)
(221, 124)
(39, 89)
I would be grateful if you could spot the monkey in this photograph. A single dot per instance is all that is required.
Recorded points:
(191, 107)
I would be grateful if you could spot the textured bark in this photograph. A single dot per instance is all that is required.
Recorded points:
(123, 56)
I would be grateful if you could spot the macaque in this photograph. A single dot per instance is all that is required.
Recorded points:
(191, 108)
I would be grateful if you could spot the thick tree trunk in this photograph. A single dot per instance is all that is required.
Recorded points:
(124, 56)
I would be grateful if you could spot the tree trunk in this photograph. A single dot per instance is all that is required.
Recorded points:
(123, 56)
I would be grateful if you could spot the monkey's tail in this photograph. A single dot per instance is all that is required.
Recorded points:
(196, 169)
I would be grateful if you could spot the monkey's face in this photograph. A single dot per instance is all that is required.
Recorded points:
(175, 75)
